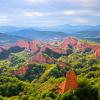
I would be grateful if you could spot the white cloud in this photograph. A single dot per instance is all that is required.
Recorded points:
(82, 13)
(36, 0)
(69, 12)
(35, 14)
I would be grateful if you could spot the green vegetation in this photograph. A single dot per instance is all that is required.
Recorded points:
(40, 81)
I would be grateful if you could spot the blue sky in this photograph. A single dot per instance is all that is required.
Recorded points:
(49, 12)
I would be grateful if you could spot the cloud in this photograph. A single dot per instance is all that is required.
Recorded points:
(79, 12)
(36, 1)
(69, 12)
(50, 12)
(35, 14)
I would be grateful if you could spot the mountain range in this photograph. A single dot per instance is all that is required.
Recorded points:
(6, 39)
(9, 34)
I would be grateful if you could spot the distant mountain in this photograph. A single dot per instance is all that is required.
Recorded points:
(66, 28)
(86, 32)
(54, 32)
(69, 28)
(90, 34)
(40, 35)
(6, 39)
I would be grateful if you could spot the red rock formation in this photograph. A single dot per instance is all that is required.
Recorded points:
(23, 44)
(69, 41)
(22, 70)
(83, 46)
(53, 48)
(42, 59)
(34, 46)
(58, 50)
(44, 48)
(39, 58)
(97, 52)
(70, 82)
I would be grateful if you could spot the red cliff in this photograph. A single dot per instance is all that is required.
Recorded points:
(69, 41)
(54, 49)
(22, 70)
(70, 82)
(40, 58)
(34, 46)
(23, 44)
(97, 52)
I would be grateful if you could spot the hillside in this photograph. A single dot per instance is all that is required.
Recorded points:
(61, 70)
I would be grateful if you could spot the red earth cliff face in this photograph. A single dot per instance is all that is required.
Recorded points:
(83, 46)
(22, 70)
(54, 49)
(40, 58)
(23, 44)
(61, 49)
(97, 52)
(70, 82)
(34, 46)
(71, 40)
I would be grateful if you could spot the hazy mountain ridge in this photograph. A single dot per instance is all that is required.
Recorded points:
(67, 28)
(35, 34)
(50, 33)
(8, 39)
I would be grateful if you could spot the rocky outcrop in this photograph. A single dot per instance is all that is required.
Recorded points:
(22, 70)
(97, 52)
(23, 44)
(37, 47)
(69, 41)
(61, 49)
(40, 58)
(34, 46)
(90, 47)
(69, 83)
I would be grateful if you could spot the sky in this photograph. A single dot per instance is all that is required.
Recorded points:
(49, 12)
